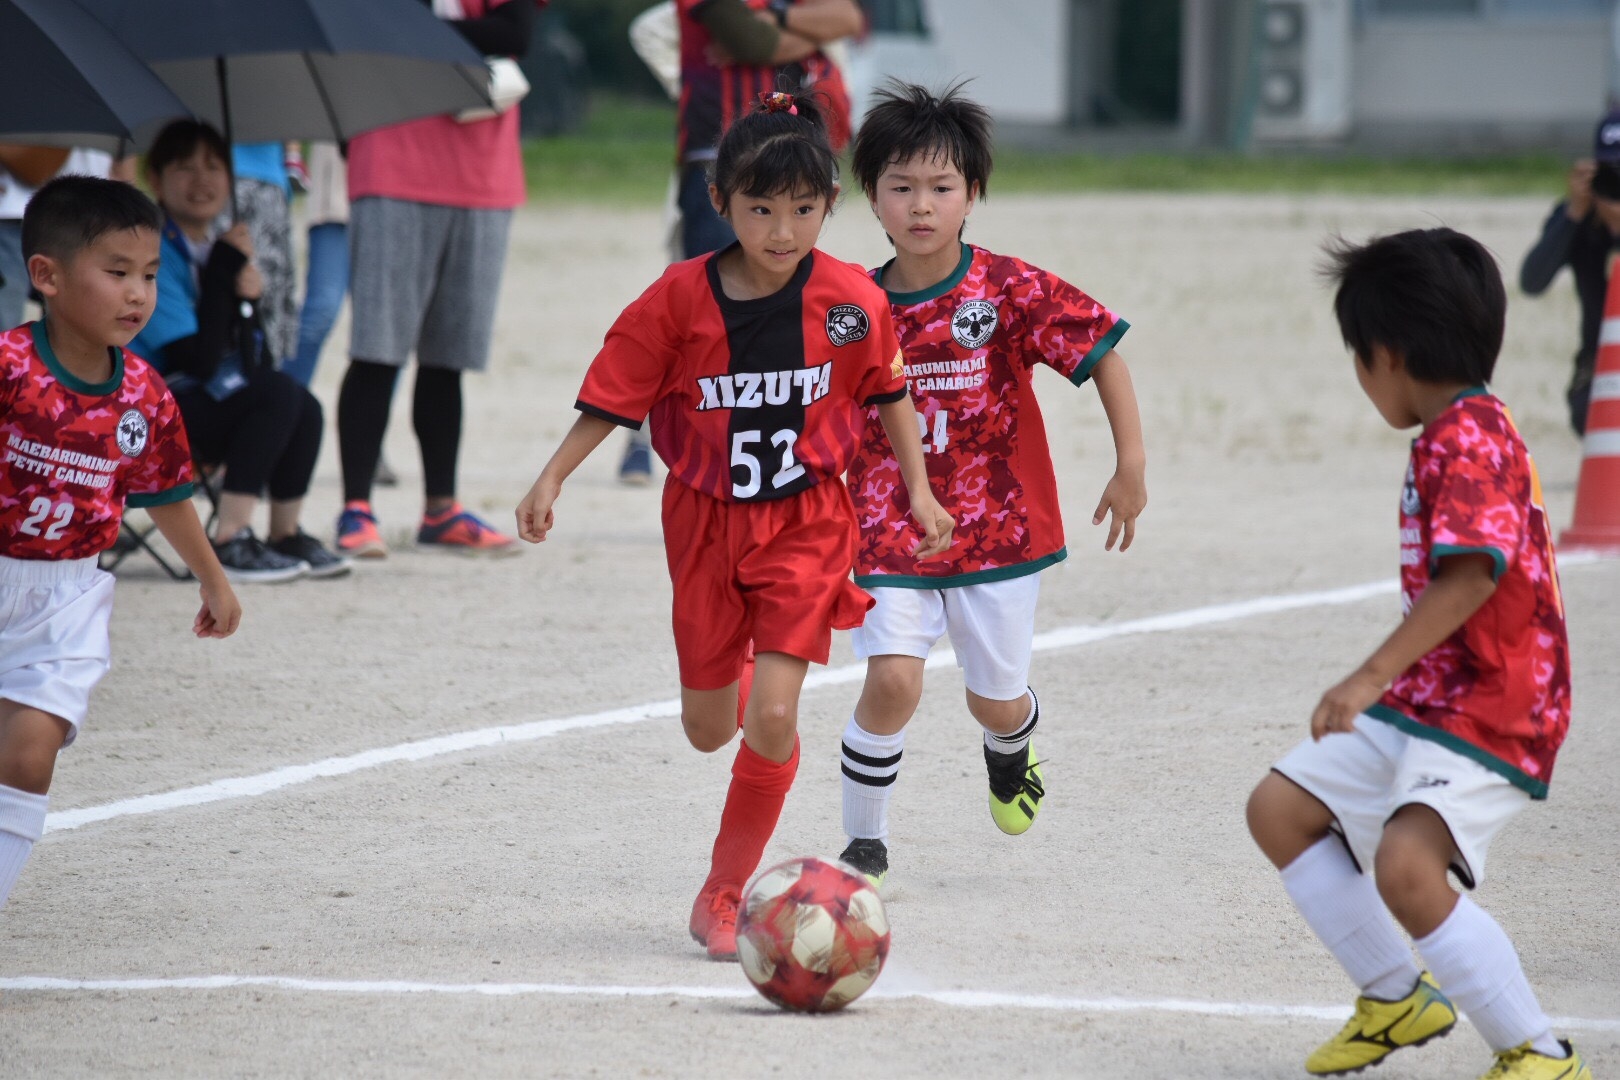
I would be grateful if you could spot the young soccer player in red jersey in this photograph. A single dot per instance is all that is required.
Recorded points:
(1450, 727)
(755, 364)
(86, 428)
(974, 325)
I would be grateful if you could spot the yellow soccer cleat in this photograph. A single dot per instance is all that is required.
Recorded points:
(1523, 1063)
(1015, 789)
(1379, 1028)
(870, 858)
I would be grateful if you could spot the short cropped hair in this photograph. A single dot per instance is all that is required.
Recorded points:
(1432, 296)
(70, 213)
(908, 120)
(180, 139)
(780, 147)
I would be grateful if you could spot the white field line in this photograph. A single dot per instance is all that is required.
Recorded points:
(955, 999)
(246, 787)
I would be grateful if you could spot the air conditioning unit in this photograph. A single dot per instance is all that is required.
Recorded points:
(1302, 70)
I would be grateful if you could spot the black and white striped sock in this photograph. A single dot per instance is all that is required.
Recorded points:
(870, 764)
(1018, 740)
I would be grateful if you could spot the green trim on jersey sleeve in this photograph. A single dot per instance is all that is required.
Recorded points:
(1440, 551)
(957, 581)
(1537, 789)
(935, 291)
(178, 493)
(1098, 351)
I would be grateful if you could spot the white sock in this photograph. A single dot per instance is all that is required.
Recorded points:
(871, 763)
(1343, 907)
(22, 822)
(1013, 743)
(1478, 969)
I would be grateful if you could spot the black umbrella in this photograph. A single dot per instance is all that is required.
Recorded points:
(65, 80)
(274, 70)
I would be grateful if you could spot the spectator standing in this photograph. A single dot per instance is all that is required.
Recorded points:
(431, 205)
(263, 203)
(326, 281)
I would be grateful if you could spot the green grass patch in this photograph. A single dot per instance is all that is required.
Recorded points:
(624, 152)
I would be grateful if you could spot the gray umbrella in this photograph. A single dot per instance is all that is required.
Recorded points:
(273, 70)
(65, 80)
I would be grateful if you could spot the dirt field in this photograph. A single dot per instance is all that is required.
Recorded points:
(510, 900)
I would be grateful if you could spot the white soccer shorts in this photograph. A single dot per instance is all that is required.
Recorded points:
(991, 627)
(53, 634)
(1364, 776)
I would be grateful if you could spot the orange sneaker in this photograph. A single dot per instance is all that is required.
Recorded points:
(455, 529)
(714, 921)
(357, 533)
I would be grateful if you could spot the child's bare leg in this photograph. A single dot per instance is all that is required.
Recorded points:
(1471, 956)
(771, 718)
(29, 741)
(873, 741)
(709, 717)
(1285, 819)
(1001, 717)
(1339, 902)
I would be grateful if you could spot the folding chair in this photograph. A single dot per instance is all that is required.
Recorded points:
(133, 538)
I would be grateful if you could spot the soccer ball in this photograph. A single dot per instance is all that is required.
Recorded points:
(811, 935)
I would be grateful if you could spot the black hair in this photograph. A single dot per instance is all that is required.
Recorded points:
(908, 120)
(180, 140)
(1433, 297)
(779, 147)
(70, 213)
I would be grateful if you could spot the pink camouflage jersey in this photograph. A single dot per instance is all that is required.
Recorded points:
(76, 452)
(1497, 690)
(971, 345)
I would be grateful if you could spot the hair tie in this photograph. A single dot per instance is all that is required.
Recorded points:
(777, 101)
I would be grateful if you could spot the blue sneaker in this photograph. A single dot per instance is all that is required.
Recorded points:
(357, 533)
(636, 468)
(455, 529)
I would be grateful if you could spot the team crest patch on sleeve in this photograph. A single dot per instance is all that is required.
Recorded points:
(973, 323)
(132, 429)
(846, 323)
(898, 367)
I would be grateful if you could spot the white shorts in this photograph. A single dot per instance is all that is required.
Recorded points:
(1364, 776)
(53, 634)
(991, 626)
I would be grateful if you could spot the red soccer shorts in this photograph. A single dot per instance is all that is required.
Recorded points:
(777, 572)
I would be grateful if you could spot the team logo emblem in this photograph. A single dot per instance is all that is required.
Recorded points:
(1410, 503)
(973, 323)
(846, 323)
(897, 367)
(132, 433)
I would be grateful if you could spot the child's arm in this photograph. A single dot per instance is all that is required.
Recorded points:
(221, 611)
(534, 517)
(900, 425)
(1126, 493)
(1461, 585)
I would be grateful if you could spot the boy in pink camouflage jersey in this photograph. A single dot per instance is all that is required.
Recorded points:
(973, 326)
(1425, 751)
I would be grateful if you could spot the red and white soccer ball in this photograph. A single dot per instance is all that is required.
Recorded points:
(811, 935)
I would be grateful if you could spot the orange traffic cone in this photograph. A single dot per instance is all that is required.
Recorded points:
(1597, 496)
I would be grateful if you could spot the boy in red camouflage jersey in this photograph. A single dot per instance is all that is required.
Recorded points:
(754, 364)
(1450, 728)
(974, 326)
(87, 427)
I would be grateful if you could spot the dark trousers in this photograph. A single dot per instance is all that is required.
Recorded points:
(267, 434)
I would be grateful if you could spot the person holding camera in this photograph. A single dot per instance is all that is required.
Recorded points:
(1580, 233)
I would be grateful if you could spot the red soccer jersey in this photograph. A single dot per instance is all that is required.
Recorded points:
(1497, 690)
(712, 96)
(971, 345)
(750, 399)
(75, 452)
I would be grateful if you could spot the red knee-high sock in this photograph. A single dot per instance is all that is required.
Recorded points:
(754, 801)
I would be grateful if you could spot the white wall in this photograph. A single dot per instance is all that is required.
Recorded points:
(1496, 72)
(1016, 52)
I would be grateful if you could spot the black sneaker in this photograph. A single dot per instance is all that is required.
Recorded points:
(870, 857)
(247, 558)
(323, 562)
